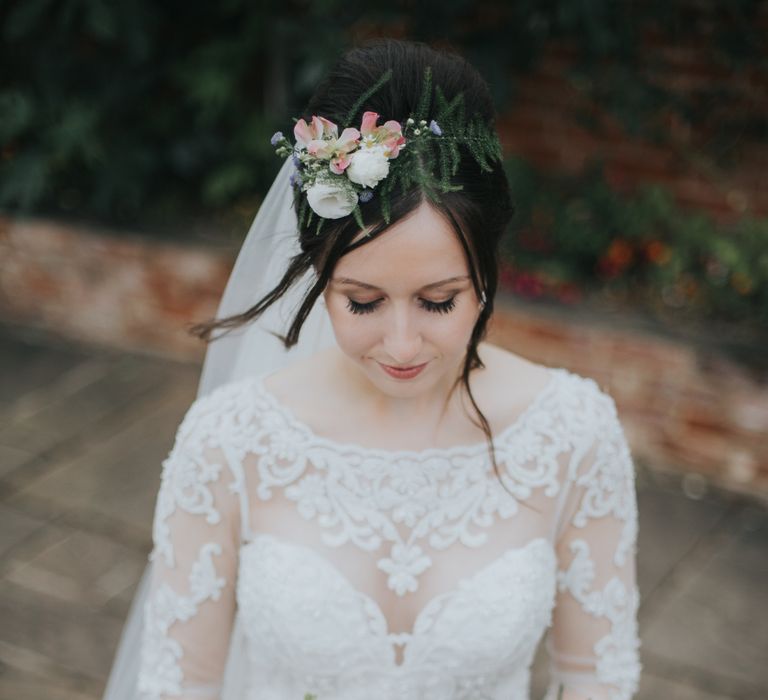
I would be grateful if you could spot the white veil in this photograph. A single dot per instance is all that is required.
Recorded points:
(271, 241)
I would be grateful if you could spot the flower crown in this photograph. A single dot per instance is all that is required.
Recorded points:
(335, 172)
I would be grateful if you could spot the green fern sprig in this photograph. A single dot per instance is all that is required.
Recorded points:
(422, 108)
(367, 95)
(419, 161)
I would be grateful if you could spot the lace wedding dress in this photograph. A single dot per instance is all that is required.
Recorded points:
(369, 574)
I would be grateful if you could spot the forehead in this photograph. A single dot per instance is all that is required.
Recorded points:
(415, 251)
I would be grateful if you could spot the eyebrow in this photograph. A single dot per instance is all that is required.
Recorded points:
(365, 285)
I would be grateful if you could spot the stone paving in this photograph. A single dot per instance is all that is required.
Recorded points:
(83, 432)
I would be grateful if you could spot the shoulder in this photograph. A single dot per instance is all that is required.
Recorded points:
(579, 396)
(510, 382)
(198, 478)
(605, 469)
(305, 375)
(227, 405)
(310, 388)
(578, 402)
(507, 383)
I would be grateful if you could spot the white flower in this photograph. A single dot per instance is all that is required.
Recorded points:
(331, 201)
(367, 166)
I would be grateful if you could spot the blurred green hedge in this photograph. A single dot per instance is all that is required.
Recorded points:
(136, 113)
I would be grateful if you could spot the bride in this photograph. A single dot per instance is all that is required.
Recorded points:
(385, 506)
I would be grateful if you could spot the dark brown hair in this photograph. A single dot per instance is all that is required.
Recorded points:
(479, 212)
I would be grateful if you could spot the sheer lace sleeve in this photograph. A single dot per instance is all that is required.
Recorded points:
(593, 644)
(189, 611)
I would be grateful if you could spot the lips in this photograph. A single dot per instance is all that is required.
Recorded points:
(403, 372)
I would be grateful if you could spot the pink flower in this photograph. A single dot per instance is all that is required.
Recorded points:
(338, 150)
(322, 141)
(306, 134)
(389, 135)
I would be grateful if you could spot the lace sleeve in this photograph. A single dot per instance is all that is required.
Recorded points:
(593, 644)
(190, 607)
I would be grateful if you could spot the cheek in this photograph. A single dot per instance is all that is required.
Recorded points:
(354, 334)
(453, 332)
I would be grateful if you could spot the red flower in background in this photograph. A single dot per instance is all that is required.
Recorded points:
(523, 282)
(528, 284)
(656, 252)
(616, 259)
(531, 284)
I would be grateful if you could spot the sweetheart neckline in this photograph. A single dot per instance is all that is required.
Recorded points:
(403, 639)
(555, 373)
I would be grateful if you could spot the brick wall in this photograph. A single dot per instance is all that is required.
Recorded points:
(682, 409)
(121, 290)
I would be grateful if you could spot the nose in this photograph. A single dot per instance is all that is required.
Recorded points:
(402, 337)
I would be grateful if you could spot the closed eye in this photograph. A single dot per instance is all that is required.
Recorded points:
(441, 307)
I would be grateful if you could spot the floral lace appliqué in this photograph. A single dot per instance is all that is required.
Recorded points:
(161, 654)
(361, 495)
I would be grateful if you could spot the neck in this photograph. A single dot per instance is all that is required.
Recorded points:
(426, 407)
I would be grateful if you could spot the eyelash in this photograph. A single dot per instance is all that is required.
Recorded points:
(440, 307)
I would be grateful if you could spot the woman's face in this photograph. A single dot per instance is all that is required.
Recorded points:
(402, 300)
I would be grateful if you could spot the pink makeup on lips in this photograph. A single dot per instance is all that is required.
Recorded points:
(405, 373)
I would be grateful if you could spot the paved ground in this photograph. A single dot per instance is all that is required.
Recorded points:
(82, 435)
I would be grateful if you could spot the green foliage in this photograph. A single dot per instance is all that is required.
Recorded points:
(577, 236)
(426, 153)
(130, 112)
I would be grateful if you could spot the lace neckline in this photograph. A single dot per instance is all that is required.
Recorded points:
(555, 373)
